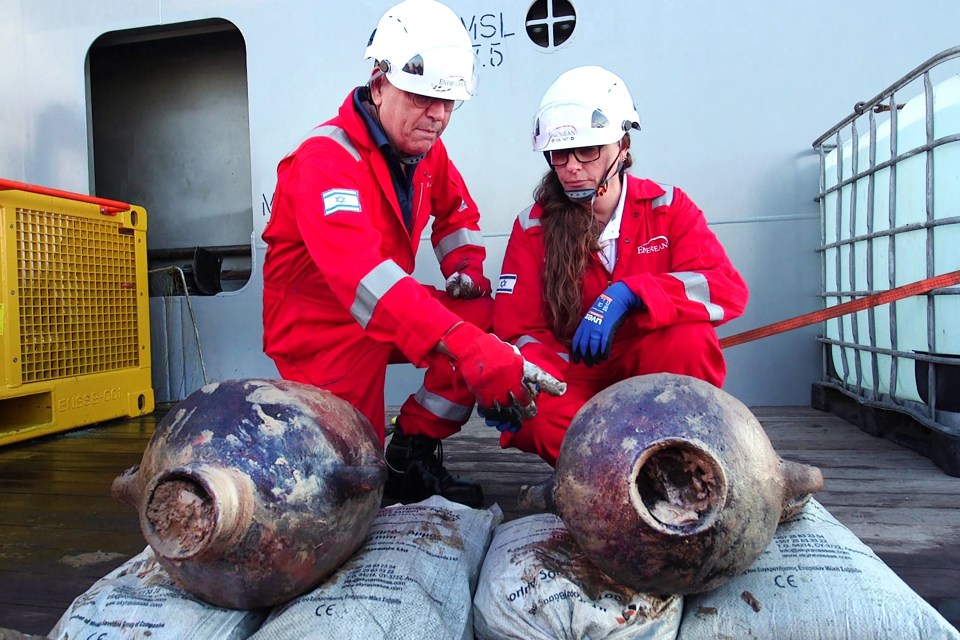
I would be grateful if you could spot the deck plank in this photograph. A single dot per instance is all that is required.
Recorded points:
(55, 504)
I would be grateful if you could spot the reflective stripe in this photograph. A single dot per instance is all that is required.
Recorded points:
(372, 287)
(441, 407)
(338, 135)
(698, 290)
(457, 239)
(525, 340)
(666, 199)
(526, 223)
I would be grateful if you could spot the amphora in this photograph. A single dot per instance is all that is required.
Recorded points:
(250, 492)
(670, 485)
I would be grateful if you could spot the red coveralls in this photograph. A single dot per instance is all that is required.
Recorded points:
(668, 256)
(339, 303)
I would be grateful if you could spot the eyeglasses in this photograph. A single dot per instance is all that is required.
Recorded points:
(425, 102)
(560, 157)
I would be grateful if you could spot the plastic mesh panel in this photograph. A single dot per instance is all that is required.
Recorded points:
(78, 296)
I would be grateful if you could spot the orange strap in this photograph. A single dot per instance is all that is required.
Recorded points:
(860, 304)
(107, 207)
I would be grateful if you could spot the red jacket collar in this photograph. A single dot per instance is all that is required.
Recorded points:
(353, 124)
(642, 189)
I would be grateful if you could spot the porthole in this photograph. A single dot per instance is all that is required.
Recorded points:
(550, 23)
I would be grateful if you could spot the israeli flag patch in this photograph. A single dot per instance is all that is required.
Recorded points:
(337, 200)
(507, 282)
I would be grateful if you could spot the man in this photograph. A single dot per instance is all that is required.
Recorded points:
(350, 205)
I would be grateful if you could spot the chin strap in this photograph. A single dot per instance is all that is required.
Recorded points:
(583, 195)
(409, 160)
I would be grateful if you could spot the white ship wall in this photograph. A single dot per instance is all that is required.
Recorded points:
(730, 95)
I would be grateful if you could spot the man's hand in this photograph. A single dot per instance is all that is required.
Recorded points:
(465, 286)
(506, 386)
(594, 337)
(491, 368)
(510, 418)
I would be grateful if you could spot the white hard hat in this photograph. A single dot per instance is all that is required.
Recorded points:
(585, 106)
(422, 47)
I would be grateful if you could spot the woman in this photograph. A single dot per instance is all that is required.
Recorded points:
(606, 276)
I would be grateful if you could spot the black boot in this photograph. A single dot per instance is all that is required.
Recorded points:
(416, 472)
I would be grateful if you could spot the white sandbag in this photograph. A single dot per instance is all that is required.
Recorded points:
(139, 599)
(536, 584)
(414, 577)
(816, 580)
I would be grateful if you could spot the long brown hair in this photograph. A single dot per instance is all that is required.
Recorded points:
(570, 235)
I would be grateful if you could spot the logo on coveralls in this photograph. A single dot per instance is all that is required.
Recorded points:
(653, 245)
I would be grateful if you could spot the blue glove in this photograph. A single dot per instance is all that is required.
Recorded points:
(594, 337)
(502, 419)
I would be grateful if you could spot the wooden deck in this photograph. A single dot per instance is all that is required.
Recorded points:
(60, 530)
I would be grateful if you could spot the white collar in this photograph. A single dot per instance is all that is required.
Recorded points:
(612, 230)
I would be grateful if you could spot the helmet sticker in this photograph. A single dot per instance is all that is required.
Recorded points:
(563, 133)
(449, 84)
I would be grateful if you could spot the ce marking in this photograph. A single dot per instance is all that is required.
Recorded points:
(784, 581)
(324, 610)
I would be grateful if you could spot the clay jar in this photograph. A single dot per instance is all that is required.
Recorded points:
(250, 492)
(670, 485)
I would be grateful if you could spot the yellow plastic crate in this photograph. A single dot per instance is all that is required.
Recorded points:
(74, 312)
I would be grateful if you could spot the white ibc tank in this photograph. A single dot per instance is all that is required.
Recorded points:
(845, 218)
